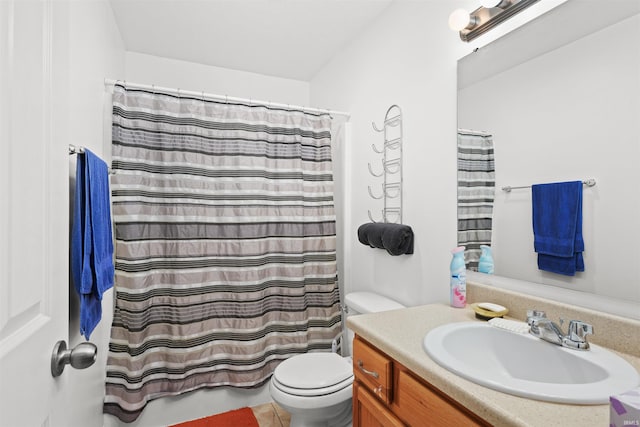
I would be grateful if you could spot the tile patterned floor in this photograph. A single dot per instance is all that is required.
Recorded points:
(271, 415)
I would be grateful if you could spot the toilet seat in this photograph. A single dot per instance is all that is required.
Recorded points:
(313, 392)
(313, 374)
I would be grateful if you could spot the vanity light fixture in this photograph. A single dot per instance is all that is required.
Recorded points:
(490, 14)
(488, 4)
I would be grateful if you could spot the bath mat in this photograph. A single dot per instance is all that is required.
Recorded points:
(242, 417)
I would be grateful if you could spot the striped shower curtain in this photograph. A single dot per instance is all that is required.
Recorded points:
(476, 189)
(225, 245)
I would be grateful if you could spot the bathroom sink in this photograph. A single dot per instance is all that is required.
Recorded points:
(526, 366)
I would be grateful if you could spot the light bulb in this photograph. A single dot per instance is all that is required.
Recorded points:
(459, 19)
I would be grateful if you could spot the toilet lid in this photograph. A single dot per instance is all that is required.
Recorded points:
(313, 371)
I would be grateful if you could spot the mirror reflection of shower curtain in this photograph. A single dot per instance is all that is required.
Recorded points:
(476, 190)
(225, 245)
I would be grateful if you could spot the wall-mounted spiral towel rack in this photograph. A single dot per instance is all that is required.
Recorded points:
(390, 169)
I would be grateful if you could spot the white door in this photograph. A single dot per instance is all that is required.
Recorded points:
(33, 208)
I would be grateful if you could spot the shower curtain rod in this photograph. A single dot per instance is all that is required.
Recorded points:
(211, 96)
(474, 132)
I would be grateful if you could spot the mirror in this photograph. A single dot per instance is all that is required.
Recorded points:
(561, 97)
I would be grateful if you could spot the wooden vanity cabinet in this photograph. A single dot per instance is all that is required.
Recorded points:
(386, 394)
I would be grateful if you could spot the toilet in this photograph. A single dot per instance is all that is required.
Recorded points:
(316, 388)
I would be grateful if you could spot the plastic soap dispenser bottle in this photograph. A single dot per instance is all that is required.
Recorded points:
(458, 278)
(485, 264)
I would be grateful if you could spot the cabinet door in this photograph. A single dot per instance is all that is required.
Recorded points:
(418, 405)
(369, 412)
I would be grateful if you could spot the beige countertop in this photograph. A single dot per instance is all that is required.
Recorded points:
(399, 334)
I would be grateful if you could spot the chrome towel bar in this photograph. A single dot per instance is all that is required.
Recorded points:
(588, 182)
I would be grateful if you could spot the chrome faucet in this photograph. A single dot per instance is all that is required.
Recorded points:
(545, 329)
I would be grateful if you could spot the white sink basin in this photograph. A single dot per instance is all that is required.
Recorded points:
(526, 366)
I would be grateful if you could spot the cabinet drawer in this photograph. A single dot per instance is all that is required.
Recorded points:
(417, 405)
(373, 369)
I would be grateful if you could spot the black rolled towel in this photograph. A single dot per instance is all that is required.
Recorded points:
(370, 234)
(397, 239)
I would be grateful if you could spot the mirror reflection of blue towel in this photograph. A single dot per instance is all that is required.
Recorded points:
(557, 226)
(91, 239)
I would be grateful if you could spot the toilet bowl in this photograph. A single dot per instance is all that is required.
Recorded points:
(316, 388)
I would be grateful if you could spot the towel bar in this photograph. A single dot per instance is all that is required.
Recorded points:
(588, 182)
(75, 149)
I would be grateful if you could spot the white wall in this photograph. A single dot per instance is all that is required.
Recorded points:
(407, 57)
(564, 130)
(95, 50)
(173, 73)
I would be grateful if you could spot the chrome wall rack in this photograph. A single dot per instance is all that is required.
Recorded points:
(390, 168)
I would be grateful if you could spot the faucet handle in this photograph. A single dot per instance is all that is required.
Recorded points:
(577, 337)
(578, 330)
(534, 315)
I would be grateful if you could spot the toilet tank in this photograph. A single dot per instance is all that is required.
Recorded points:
(362, 303)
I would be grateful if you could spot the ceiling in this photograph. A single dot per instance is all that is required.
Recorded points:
(292, 39)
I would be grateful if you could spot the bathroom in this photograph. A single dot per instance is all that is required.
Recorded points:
(404, 53)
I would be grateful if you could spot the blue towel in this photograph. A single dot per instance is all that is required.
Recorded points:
(91, 239)
(557, 226)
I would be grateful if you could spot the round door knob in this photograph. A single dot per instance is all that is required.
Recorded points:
(80, 357)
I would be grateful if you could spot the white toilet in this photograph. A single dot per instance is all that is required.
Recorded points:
(316, 388)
